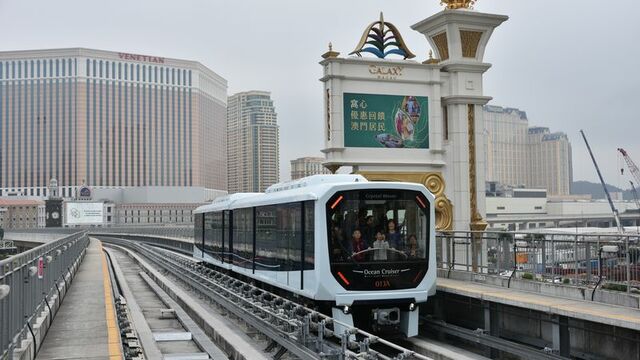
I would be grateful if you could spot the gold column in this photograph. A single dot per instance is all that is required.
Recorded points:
(477, 224)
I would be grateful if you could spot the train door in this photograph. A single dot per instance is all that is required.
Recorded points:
(289, 238)
(227, 236)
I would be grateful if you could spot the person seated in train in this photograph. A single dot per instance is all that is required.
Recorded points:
(380, 245)
(358, 245)
(368, 230)
(393, 235)
(413, 251)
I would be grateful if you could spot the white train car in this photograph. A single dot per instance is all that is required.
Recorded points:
(363, 252)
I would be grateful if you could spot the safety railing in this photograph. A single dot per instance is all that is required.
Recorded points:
(578, 259)
(27, 282)
(172, 232)
(184, 246)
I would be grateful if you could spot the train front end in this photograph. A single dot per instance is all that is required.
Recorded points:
(381, 254)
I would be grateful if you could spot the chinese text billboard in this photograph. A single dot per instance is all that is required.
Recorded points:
(390, 121)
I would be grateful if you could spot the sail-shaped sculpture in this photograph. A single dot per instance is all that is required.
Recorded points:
(378, 37)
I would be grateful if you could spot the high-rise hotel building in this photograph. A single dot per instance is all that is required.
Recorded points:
(506, 145)
(549, 161)
(519, 155)
(109, 119)
(252, 135)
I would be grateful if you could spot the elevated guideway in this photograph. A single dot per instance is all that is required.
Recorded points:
(483, 300)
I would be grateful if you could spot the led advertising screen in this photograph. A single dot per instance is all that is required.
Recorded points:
(386, 121)
(84, 213)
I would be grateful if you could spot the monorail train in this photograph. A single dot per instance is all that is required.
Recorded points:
(362, 252)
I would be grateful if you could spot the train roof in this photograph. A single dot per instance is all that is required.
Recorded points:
(308, 188)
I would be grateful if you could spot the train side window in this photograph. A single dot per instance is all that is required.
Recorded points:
(243, 237)
(213, 234)
(198, 235)
(266, 251)
(208, 231)
(289, 236)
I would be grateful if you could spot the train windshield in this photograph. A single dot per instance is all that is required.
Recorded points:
(378, 239)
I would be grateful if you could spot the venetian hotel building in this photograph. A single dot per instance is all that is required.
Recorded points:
(109, 119)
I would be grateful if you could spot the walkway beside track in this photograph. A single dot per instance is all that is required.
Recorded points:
(618, 316)
(85, 327)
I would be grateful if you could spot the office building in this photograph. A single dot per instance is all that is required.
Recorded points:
(252, 138)
(307, 166)
(518, 155)
(108, 119)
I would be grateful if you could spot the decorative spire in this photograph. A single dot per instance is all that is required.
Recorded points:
(431, 60)
(330, 53)
(376, 35)
(458, 4)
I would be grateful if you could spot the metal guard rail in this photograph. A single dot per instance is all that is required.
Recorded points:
(169, 243)
(182, 232)
(583, 259)
(27, 282)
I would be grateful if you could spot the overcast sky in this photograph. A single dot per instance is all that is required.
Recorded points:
(568, 64)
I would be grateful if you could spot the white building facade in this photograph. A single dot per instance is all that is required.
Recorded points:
(307, 166)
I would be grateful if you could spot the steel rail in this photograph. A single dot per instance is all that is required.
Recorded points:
(298, 329)
(225, 298)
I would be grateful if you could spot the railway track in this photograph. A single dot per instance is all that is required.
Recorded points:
(148, 319)
(289, 327)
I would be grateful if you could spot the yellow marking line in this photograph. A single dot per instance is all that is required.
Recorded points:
(113, 333)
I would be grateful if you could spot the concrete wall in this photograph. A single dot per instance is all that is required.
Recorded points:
(515, 206)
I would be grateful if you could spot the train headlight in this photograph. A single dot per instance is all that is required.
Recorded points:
(346, 309)
(412, 306)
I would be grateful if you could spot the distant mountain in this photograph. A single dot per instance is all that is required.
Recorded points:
(596, 191)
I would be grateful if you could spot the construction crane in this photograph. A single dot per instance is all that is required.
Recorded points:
(616, 215)
(635, 194)
(631, 165)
